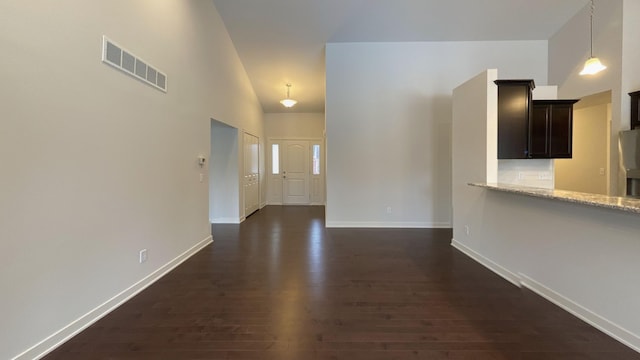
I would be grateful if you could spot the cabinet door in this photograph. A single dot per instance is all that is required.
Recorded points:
(635, 109)
(561, 131)
(539, 131)
(514, 111)
(551, 130)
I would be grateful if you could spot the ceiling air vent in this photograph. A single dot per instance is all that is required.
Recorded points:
(123, 60)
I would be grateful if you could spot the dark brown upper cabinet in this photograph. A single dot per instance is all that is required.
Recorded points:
(551, 129)
(635, 109)
(532, 129)
(514, 112)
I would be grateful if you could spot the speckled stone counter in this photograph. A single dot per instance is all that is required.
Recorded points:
(630, 205)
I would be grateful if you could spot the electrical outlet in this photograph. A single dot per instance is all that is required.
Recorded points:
(201, 177)
(389, 210)
(466, 229)
(143, 256)
(601, 171)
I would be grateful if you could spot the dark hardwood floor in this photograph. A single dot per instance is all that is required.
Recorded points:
(281, 286)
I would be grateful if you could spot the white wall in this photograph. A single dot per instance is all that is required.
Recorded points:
(388, 118)
(97, 165)
(580, 257)
(294, 125)
(474, 144)
(224, 184)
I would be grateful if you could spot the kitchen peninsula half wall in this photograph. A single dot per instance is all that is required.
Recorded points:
(582, 258)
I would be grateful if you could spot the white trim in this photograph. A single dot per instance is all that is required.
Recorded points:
(488, 263)
(319, 139)
(226, 220)
(250, 133)
(606, 326)
(389, 224)
(281, 204)
(50, 343)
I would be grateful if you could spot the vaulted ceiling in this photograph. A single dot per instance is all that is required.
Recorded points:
(283, 41)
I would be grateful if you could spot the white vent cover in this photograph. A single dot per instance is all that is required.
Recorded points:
(125, 61)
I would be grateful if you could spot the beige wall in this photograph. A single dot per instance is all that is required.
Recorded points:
(587, 170)
(294, 125)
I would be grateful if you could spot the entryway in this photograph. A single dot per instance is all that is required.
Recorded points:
(295, 172)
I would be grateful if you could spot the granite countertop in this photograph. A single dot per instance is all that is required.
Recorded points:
(631, 205)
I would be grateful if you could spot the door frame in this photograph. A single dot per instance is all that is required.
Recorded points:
(243, 175)
(278, 200)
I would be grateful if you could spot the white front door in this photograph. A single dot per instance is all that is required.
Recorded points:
(295, 172)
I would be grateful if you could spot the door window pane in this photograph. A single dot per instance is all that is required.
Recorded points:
(275, 159)
(316, 159)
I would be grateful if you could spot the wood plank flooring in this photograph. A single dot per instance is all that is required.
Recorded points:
(281, 286)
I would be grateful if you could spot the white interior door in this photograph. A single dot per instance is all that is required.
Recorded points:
(251, 174)
(295, 172)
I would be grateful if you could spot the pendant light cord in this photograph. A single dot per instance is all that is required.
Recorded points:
(591, 27)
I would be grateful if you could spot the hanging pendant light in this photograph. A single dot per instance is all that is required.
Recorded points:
(592, 65)
(288, 102)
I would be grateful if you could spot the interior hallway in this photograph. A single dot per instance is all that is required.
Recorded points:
(281, 286)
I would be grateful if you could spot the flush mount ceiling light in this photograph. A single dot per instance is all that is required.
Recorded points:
(592, 65)
(288, 102)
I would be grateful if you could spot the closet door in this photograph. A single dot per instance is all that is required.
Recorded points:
(251, 174)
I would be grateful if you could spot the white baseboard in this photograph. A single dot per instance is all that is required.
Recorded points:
(226, 220)
(608, 327)
(309, 204)
(521, 280)
(389, 224)
(488, 263)
(61, 336)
